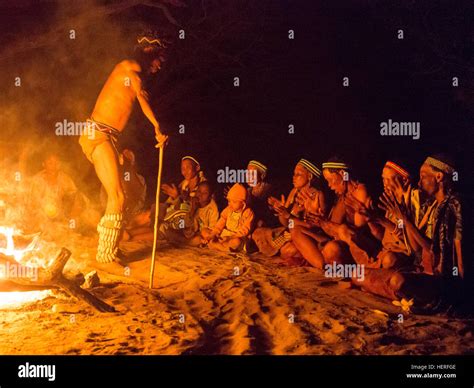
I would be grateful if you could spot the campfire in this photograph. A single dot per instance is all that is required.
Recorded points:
(28, 259)
(25, 265)
(24, 249)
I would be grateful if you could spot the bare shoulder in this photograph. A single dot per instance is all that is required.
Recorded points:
(361, 193)
(130, 65)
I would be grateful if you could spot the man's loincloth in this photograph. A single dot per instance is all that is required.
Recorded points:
(101, 133)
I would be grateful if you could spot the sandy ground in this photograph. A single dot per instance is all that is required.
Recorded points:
(210, 303)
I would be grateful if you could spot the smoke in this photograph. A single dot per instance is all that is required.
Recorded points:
(54, 60)
(52, 69)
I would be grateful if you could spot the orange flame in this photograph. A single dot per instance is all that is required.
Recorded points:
(26, 257)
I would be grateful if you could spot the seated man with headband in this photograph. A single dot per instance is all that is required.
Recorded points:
(438, 279)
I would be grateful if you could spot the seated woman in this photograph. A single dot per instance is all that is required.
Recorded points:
(200, 220)
(54, 197)
(178, 204)
(259, 191)
(438, 279)
(302, 200)
(324, 240)
(174, 213)
(395, 252)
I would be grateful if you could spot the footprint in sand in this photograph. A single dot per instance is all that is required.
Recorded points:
(337, 327)
(74, 351)
(261, 301)
(127, 350)
(92, 337)
(135, 329)
(227, 307)
(119, 299)
(328, 283)
(207, 273)
(332, 335)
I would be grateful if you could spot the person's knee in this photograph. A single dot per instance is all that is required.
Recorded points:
(333, 249)
(234, 243)
(389, 260)
(396, 281)
(205, 232)
(288, 250)
(337, 251)
(194, 241)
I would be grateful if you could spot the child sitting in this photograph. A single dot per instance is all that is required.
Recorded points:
(200, 220)
(178, 204)
(234, 225)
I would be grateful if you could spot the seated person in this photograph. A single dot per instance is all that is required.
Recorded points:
(324, 240)
(133, 185)
(258, 193)
(200, 220)
(202, 216)
(140, 227)
(302, 199)
(438, 279)
(396, 252)
(179, 198)
(53, 196)
(234, 225)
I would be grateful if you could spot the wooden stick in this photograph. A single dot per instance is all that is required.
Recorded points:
(75, 290)
(157, 213)
(53, 277)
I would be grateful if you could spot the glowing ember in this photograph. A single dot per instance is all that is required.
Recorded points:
(8, 247)
(16, 299)
(28, 258)
(28, 255)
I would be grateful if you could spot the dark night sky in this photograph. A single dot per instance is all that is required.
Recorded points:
(300, 82)
(282, 82)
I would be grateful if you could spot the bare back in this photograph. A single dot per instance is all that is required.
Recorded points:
(115, 101)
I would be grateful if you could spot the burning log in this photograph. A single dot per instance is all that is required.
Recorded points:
(53, 277)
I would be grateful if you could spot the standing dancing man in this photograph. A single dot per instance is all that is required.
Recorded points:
(109, 117)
